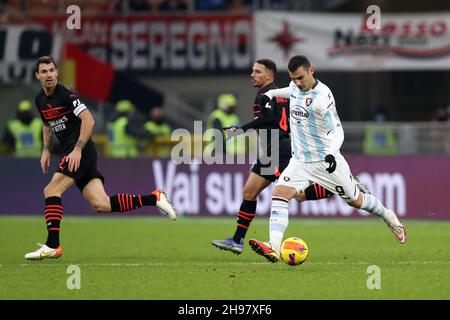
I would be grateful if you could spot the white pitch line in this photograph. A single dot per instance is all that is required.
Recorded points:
(203, 264)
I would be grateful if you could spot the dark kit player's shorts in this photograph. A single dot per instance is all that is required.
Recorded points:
(283, 161)
(87, 170)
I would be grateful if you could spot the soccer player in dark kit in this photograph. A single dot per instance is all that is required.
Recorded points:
(65, 115)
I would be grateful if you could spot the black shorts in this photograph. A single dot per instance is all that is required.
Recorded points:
(284, 157)
(87, 170)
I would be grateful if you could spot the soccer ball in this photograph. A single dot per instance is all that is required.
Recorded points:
(294, 251)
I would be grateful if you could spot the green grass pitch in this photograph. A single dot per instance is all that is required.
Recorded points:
(154, 258)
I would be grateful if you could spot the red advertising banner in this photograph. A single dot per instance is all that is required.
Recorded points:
(162, 43)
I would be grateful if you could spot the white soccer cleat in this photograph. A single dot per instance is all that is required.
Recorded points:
(396, 226)
(44, 252)
(164, 204)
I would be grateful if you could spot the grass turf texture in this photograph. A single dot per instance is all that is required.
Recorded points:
(154, 258)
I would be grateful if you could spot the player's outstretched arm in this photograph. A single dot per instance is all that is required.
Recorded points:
(280, 93)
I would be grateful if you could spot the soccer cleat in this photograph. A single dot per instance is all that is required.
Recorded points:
(44, 252)
(264, 249)
(164, 204)
(362, 188)
(396, 226)
(229, 244)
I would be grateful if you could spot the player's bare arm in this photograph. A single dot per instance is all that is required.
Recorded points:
(47, 135)
(87, 127)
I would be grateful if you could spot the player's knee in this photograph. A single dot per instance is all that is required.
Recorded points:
(358, 202)
(101, 205)
(50, 191)
(249, 194)
(300, 196)
(284, 192)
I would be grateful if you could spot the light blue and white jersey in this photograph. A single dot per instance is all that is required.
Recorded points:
(316, 129)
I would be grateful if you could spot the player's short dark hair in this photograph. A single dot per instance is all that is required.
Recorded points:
(269, 64)
(298, 61)
(45, 60)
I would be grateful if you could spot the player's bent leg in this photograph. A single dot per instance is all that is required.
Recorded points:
(95, 194)
(283, 191)
(58, 185)
(254, 185)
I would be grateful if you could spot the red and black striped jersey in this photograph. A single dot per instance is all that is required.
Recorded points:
(60, 111)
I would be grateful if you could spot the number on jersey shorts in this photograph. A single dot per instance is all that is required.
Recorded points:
(300, 175)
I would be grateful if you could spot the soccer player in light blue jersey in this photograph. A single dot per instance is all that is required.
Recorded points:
(316, 139)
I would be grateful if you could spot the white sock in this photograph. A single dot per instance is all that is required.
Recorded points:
(279, 220)
(373, 205)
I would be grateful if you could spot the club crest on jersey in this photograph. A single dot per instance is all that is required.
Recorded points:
(286, 178)
(308, 101)
(298, 112)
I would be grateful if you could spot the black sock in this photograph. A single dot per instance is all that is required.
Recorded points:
(245, 216)
(316, 192)
(53, 216)
(126, 202)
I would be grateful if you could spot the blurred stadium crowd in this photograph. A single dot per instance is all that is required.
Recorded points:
(411, 117)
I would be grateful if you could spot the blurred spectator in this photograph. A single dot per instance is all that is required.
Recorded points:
(156, 124)
(441, 113)
(211, 5)
(23, 135)
(120, 143)
(381, 115)
(239, 6)
(4, 18)
(379, 136)
(139, 6)
(160, 144)
(173, 5)
(224, 117)
(439, 138)
(113, 6)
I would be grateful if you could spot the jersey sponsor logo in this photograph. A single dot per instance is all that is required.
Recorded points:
(58, 124)
(299, 112)
(53, 113)
(308, 101)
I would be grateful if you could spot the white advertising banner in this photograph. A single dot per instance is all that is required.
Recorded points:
(20, 47)
(345, 42)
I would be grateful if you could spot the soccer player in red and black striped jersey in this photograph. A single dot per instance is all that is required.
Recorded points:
(66, 116)
(273, 117)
